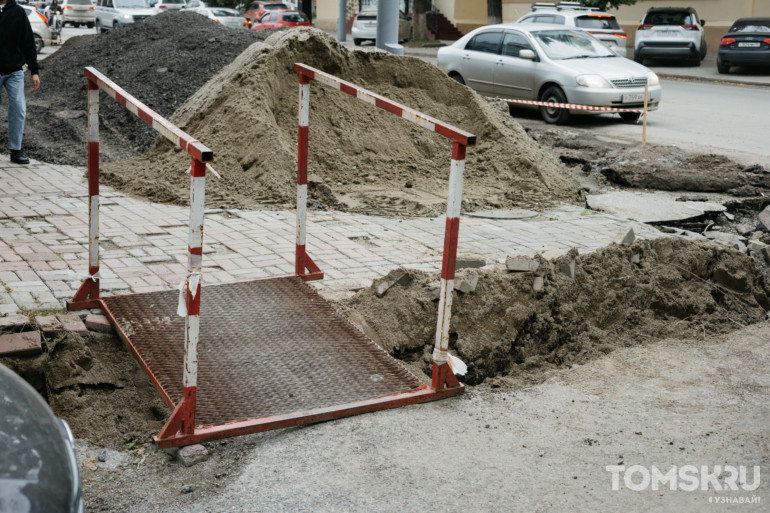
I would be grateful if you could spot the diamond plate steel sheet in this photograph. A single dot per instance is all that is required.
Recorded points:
(267, 347)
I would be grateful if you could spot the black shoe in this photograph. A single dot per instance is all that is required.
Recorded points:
(17, 157)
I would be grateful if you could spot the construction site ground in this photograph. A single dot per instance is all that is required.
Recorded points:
(649, 353)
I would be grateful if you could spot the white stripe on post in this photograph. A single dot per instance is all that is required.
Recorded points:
(192, 327)
(304, 104)
(301, 214)
(444, 317)
(197, 191)
(455, 200)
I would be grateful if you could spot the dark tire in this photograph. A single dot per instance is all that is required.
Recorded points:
(115, 25)
(99, 28)
(638, 58)
(554, 115)
(90, 25)
(629, 116)
(724, 69)
(76, 25)
(457, 77)
(357, 42)
(39, 44)
(695, 59)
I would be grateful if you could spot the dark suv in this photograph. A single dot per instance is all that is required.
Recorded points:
(670, 32)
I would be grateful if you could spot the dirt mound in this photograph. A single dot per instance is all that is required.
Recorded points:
(361, 158)
(679, 288)
(664, 168)
(162, 61)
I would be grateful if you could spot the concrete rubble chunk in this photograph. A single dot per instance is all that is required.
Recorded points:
(764, 218)
(537, 285)
(636, 258)
(756, 246)
(393, 278)
(20, 344)
(98, 323)
(49, 324)
(13, 321)
(192, 454)
(434, 292)
(521, 264)
(568, 268)
(728, 239)
(72, 323)
(466, 285)
(766, 253)
(625, 237)
(469, 263)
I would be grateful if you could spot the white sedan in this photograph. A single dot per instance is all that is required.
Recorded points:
(39, 27)
(543, 63)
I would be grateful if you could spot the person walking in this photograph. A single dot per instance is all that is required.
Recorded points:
(17, 47)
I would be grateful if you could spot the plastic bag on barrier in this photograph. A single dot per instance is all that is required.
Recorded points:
(457, 365)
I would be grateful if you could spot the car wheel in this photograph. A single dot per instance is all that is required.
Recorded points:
(457, 77)
(695, 59)
(554, 115)
(638, 58)
(629, 116)
(39, 44)
(76, 25)
(90, 25)
(357, 42)
(115, 25)
(99, 28)
(722, 68)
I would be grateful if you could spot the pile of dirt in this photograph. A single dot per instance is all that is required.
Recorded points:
(96, 385)
(161, 61)
(663, 168)
(507, 331)
(362, 159)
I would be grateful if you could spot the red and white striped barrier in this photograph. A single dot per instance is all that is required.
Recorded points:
(572, 106)
(444, 365)
(87, 296)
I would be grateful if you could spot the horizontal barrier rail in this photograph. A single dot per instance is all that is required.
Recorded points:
(572, 106)
(434, 125)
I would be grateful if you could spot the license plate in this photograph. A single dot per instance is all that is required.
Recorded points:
(666, 33)
(633, 98)
(748, 45)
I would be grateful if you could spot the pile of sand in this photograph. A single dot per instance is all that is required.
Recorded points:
(679, 289)
(361, 158)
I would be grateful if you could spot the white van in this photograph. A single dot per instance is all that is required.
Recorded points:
(112, 14)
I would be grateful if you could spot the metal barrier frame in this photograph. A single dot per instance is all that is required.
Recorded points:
(183, 417)
(442, 376)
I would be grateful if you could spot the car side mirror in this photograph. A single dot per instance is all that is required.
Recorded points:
(527, 54)
(702, 23)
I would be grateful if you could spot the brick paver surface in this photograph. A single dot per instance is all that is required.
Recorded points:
(44, 240)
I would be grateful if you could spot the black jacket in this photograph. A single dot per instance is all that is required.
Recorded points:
(17, 44)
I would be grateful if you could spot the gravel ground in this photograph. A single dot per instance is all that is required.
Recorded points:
(543, 448)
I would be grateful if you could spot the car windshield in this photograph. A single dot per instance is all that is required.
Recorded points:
(751, 26)
(668, 18)
(225, 12)
(295, 17)
(597, 21)
(272, 7)
(130, 4)
(567, 44)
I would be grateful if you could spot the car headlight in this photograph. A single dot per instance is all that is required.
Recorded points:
(652, 79)
(127, 17)
(592, 81)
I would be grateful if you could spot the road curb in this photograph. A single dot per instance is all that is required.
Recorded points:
(667, 76)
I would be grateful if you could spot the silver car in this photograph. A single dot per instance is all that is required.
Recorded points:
(39, 28)
(541, 62)
(224, 16)
(365, 27)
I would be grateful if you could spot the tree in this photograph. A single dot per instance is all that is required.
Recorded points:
(494, 11)
(603, 5)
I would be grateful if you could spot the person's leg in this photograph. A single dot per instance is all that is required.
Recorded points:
(17, 112)
(17, 109)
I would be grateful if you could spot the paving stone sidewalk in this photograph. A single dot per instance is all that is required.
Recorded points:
(44, 240)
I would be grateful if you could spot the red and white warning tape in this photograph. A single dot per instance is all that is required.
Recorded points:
(572, 106)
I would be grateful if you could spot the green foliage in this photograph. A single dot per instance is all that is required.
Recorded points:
(607, 4)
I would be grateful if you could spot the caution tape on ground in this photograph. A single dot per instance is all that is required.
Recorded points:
(572, 106)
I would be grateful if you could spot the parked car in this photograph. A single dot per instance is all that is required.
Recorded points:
(225, 16)
(256, 10)
(38, 467)
(167, 5)
(747, 43)
(195, 4)
(78, 12)
(601, 25)
(40, 29)
(365, 27)
(281, 19)
(670, 32)
(541, 62)
(113, 14)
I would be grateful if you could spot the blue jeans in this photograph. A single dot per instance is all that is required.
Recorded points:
(17, 107)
